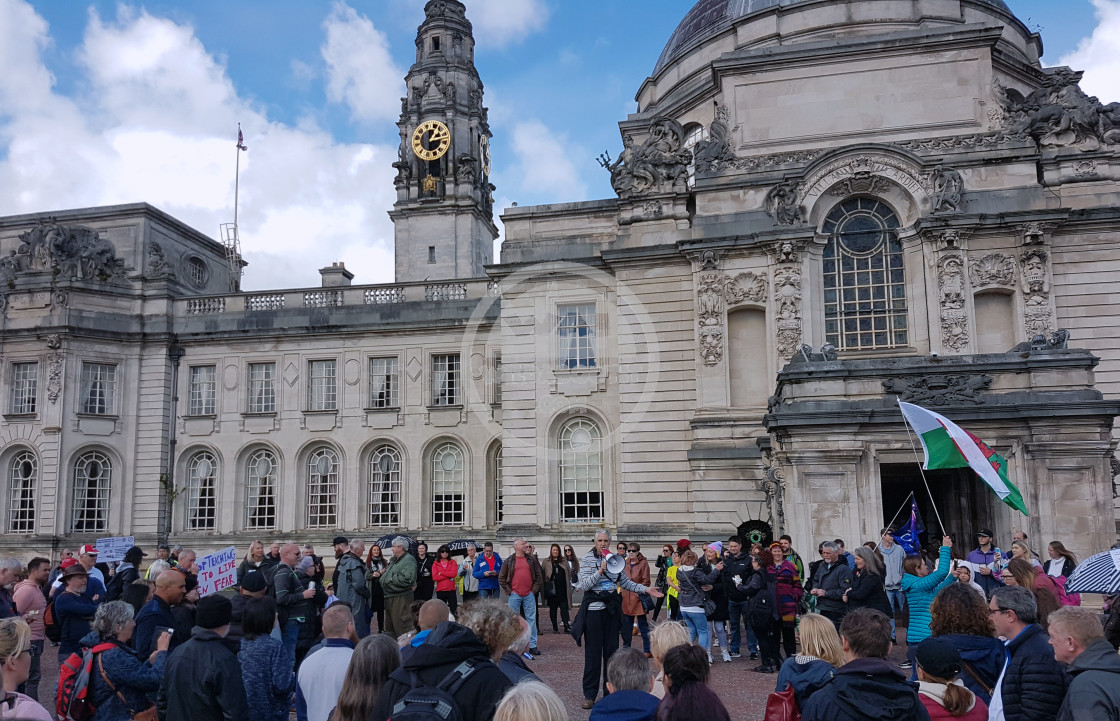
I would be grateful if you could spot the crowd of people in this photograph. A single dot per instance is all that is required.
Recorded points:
(989, 635)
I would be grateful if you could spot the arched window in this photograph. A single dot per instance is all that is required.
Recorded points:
(864, 281)
(385, 487)
(93, 476)
(322, 489)
(260, 490)
(496, 480)
(23, 479)
(581, 471)
(448, 486)
(693, 134)
(202, 472)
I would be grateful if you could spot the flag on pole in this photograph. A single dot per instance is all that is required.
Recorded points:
(907, 534)
(241, 139)
(947, 445)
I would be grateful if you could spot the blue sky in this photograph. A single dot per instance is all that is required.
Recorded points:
(143, 96)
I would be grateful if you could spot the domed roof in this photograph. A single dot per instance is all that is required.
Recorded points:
(711, 17)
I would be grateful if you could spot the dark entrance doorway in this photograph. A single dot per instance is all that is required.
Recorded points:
(964, 501)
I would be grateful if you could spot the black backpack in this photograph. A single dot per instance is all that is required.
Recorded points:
(433, 703)
(763, 607)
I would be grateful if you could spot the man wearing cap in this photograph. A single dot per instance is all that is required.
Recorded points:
(986, 559)
(939, 665)
(127, 572)
(341, 546)
(73, 612)
(87, 556)
(203, 680)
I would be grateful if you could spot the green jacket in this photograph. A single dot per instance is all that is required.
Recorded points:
(399, 577)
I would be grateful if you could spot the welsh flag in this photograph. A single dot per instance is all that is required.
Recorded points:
(947, 445)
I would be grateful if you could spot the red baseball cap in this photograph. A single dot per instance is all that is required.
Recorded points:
(68, 562)
(87, 550)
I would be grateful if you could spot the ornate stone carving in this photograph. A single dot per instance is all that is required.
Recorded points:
(1058, 340)
(716, 152)
(939, 389)
(861, 182)
(70, 251)
(55, 364)
(958, 142)
(992, 269)
(659, 165)
(1038, 316)
(710, 307)
(158, 267)
(465, 171)
(787, 299)
(1060, 115)
(1034, 270)
(54, 341)
(775, 488)
(1033, 234)
(954, 316)
(949, 238)
(862, 169)
(783, 203)
(746, 288)
(1085, 169)
(709, 259)
(829, 352)
(652, 209)
(948, 185)
(783, 252)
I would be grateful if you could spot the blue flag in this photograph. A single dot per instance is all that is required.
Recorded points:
(907, 534)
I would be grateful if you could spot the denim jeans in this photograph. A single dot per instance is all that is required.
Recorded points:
(628, 630)
(897, 600)
(717, 629)
(738, 616)
(489, 592)
(697, 624)
(528, 604)
(290, 637)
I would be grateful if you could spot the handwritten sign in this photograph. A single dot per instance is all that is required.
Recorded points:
(113, 548)
(216, 571)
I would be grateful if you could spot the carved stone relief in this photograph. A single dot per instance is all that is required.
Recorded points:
(948, 186)
(746, 288)
(55, 364)
(954, 316)
(158, 267)
(1037, 311)
(939, 389)
(1060, 115)
(715, 153)
(992, 269)
(659, 165)
(787, 300)
(1033, 234)
(70, 251)
(783, 203)
(710, 307)
(864, 170)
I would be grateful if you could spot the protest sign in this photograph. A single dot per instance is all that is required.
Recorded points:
(113, 548)
(216, 571)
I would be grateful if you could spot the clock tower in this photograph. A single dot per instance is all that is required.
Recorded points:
(444, 216)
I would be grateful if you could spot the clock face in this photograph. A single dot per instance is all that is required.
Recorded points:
(430, 140)
(484, 151)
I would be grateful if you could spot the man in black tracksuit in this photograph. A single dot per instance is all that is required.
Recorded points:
(738, 563)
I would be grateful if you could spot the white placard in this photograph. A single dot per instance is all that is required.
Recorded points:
(113, 548)
(216, 571)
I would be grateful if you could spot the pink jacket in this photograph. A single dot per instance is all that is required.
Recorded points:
(29, 597)
(931, 695)
(25, 708)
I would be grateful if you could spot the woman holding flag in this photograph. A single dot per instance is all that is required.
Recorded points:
(921, 586)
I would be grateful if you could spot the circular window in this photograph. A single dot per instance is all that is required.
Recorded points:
(448, 462)
(264, 466)
(323, 465)
(581, 439)
(197, 272)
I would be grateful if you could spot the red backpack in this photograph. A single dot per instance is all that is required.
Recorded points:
(51, 627)
(73, 702)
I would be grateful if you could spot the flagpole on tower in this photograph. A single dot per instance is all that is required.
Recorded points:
(230, 237)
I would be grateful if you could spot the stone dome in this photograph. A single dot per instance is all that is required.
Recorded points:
(711, 17)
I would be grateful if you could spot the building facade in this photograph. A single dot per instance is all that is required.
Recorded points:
(822, 208)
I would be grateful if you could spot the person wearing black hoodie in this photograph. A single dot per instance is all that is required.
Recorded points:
(448, 646)
(738, 563)
(867, 687)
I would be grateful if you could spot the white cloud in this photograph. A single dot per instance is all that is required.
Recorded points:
(498, 23)
(1099, 54)
(544, 163)
(360, 71)
(158, 124)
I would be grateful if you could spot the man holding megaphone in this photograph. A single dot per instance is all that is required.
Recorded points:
(598, 622)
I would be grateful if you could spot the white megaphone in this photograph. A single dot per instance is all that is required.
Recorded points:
(615, 564)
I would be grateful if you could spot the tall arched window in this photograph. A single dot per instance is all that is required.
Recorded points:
(864, 281)
(23, 477)
(385, 487)
(448, 486)
(93, 476)
(202, 490)
(260, 490)
(496, 481)
(581, 471)
(322, 489)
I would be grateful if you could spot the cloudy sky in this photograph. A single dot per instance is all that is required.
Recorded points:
(115, 102)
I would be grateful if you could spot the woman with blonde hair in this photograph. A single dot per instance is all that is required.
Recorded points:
(1021, 573)
(530, 701)
(253, 560)
(375, 657)
(15, 665)
(1020, 549)
(821, 654)
(663, 637)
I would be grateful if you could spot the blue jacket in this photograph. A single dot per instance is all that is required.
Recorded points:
(1034, 684)
(920, 592)
(74, 613)
(487, 583)
(153, 614)
(135, 678)
(985, 656)
(806, 674)
(266, 669)
(626, 706)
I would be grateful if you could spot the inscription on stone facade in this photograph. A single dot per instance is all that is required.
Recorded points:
(863, 168)
(992, 269)
(954, 315)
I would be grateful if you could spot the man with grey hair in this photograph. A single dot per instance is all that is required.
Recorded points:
(9, 573)
(512, 663)
(522, 579)
(397, 582)
(630, 683)
(1033, 684)
(832, 580)
(351, 586)
(600, 614)
(1078, 639)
